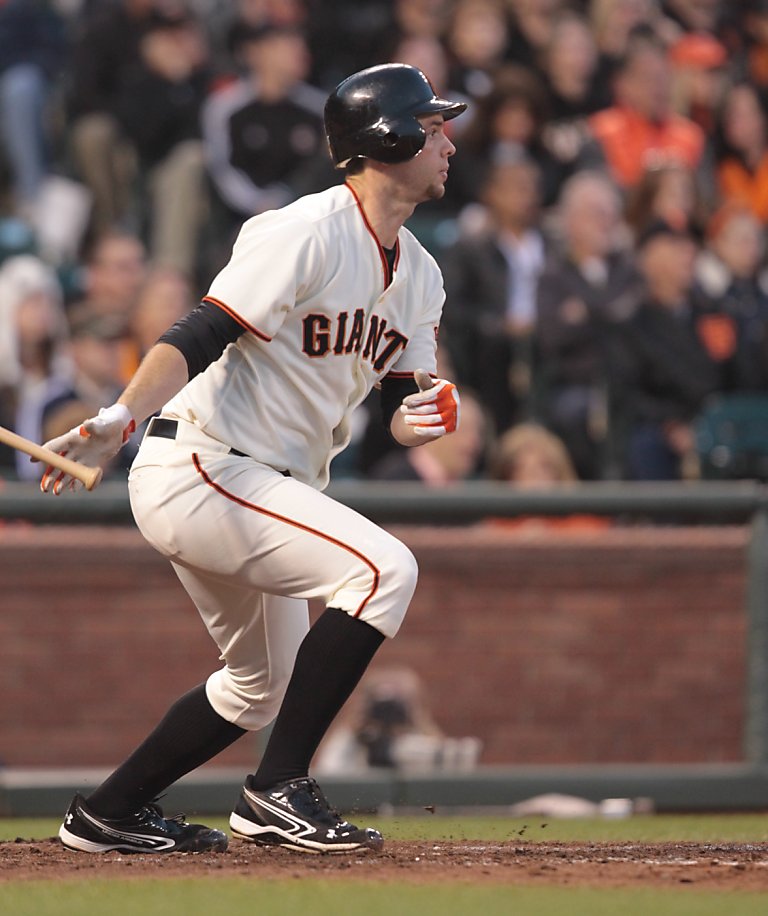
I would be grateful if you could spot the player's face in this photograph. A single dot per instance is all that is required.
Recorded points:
(425, 175)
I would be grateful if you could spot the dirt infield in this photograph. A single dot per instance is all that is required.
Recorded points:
(732, 866)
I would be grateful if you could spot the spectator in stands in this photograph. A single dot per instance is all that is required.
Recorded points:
(641, 129)
(159, 108)
(662, 368)
(114, 271)
(742, 149)
(695, 15)
(414, 19)
(613, 23)
(699, 78)
(569, 63)
(530, 457)
(33, 362)
(106, 48)
(32, 49)
(436, 464)
(748, 41)
(248, 15)
(477, 37)
(490, 277)
(345, 36)
(589, 284)
(511, 116)
(95, 347)
(730, 272)
(668, 192)
(532, 22)
(164, 298)
(264, 135)
(388, 724)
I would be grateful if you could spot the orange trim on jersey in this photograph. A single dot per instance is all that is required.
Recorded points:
(379, 246)
(300, 525)
(238, 318)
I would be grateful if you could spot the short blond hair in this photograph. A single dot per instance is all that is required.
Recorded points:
(526, 437)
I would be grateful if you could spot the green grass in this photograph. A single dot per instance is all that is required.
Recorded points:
(702, 828)
(159, 896)
(235, 896)
(656, 828)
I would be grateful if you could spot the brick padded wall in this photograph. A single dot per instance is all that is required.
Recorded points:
(623, 645)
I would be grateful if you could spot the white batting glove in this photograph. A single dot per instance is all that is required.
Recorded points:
(434, 409)
(93, 443)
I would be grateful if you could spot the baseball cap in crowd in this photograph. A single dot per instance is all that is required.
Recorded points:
(698, 50)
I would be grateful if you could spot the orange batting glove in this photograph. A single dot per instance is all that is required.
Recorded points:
(434, 410)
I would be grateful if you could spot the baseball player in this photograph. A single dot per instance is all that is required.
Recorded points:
(320, 301)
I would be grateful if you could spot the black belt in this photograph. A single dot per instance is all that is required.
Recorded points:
(167, 429)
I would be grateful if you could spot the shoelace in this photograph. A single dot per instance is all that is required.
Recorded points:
(321, 802)
(154, 808)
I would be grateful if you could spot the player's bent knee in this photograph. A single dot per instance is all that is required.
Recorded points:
(250, 704)
(397, 583)
(407, 573)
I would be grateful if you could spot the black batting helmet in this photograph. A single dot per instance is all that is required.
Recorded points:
(374, 114)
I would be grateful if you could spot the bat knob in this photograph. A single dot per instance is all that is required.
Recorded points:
(93, 478)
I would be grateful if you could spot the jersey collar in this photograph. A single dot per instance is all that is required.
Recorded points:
(382, 256)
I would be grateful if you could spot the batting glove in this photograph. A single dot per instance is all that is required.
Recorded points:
(93, 443)
(434, 410)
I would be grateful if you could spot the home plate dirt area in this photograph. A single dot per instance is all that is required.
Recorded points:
(737, 866)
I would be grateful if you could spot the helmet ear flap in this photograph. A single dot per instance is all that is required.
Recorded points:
(396, 140)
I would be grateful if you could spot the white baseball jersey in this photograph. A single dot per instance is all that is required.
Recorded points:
(309, 284)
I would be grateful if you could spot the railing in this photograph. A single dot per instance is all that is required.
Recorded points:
(416, 504)
(679, 503)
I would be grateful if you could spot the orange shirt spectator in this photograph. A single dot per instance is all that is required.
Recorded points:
(632, 143)
(742, 168)
(641, 130)
(740, 184)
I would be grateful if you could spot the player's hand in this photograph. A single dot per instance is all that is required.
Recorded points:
(434, 409)
(93, 443)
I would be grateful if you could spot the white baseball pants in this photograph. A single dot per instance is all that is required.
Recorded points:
(250, 546)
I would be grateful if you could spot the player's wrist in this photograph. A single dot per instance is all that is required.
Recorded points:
(110, 422)
(117, 413)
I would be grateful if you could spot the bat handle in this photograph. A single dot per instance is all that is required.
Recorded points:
(91, 478)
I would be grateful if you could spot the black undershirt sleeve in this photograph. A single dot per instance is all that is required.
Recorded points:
(393, 390)
(202, 336)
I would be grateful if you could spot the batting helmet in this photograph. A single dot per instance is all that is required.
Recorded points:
(374, 114)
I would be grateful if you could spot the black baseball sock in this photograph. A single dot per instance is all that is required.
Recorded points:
(190, 733)
(330, 662)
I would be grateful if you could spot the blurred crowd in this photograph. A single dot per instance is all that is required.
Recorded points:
(602, 237)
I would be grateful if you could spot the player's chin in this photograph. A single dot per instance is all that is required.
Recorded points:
(436, 190)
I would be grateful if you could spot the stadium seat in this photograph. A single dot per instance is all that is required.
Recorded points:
(732, 437)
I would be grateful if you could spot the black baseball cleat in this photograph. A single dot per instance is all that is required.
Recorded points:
(147, 831)
(297, 815)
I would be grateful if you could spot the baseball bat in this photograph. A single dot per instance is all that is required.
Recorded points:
(88, 476)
